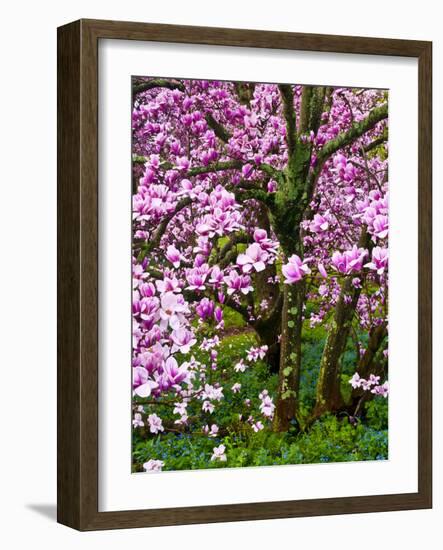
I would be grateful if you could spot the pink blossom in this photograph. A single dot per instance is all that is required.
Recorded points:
(322, 270)
(218, 453)
(319, 223)
(205, 308)
(137, 422)
(257, 353)
(257, 426)
(272, 186)
(182, 339)
(379, 260)
(236, 282)
(267, 406)
(141, 383)
(355, 381)
(218, 315)
(174, 374)
(172, 310)
(254, 257)
(213, 431)
(294, 270)
(216, 276)
(207, 406)
(153, 465)
(173, 255)
(240, 366)
(382, 390)
(381, 226)
(350, 260)
(155, 424)
(196, 277)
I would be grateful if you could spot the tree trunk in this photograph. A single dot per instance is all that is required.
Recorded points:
(290, 356)
(328, 395)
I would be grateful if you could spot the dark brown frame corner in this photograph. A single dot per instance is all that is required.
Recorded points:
(77, 480)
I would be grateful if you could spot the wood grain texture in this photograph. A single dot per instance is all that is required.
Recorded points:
(77, 228)
(68, 275)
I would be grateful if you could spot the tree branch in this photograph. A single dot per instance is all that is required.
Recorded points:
(219, 130)
(346, 138)
(158, 83)
(161, 228)
(287, 96)
(240, 237)
(213, 167)
(354, 132)
(255, 194)
(376, 142)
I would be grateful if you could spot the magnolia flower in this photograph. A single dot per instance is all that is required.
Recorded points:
(168, 284)
(257, 353)
(173, 373)
(350, 260)
(319, 223)
(216, 277)
(153, 465)
(137, 421)
(294, 270)
(257, 426)
(196, 278)
(382, 390)
(218, 316)
(208, 407)
(379, 260)
(155, 424)
(322, 290)
(173, 255)
(182, 339)
(180, 408)
(236, 282)
(247, 170)
(205, 308)
(272, 186)
(355, 381)
(218, 453)
(261, 237)
(381, 226)
(322, 270)
(172, 310)
(240, 366)
(267, 406)
(374, 379)
(212, 392)
(141, 384)
(254, 257)
(213, 431)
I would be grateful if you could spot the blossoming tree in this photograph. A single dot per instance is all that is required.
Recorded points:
(270, 200)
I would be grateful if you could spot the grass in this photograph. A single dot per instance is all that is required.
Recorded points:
(330, 439)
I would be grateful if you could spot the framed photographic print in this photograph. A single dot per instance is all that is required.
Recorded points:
(244, 275)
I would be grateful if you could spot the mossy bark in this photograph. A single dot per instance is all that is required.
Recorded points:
(328, 393)
(290, 356)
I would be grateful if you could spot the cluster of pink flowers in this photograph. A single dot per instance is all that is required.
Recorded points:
(187, 213)
(254, 354)
(371, 384)
(349, 261)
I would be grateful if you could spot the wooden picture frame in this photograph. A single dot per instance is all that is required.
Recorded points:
(78, 274)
